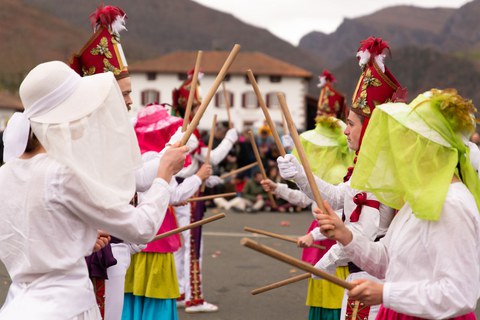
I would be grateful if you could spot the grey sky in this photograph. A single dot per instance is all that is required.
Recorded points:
(291, 19)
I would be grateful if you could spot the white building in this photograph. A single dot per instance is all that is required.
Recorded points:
(9, 104)
(153, 81)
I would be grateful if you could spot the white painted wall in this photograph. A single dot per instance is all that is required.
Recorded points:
(295, 90)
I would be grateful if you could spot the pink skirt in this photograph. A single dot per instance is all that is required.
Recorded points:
(385, 313)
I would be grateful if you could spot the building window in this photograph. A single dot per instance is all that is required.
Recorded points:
(227, 77)
(150, 96)
(151, 76)
(272, 100)
(249, 100)
(220, 99)
(275, 79)
(182, 76)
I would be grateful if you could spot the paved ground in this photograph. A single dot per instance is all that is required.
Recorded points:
(231, 271)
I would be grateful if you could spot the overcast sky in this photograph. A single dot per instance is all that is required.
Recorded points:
(292, 19)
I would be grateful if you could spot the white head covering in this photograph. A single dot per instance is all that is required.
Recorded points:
(81, 122)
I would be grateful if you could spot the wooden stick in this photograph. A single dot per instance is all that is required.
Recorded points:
(279, 236)
(212, 196)
(193, 89)
(213, 89)
(262, 104)
(226, 96)
(301, 152)
(295, 262)
(282, 283)
(234, 172)
(189, 226)
(209, 147)
(273, 203)
(284, 124)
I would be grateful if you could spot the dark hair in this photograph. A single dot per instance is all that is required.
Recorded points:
(32, 143)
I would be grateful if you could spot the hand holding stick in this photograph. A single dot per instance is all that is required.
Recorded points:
(210, 145)
(295, 262)
(234, 172)
(189, 226)
(278, 236)
(260, 165)
(270, 123)
(193, 89)
(226, 97)
(282, 283)
(206, 100)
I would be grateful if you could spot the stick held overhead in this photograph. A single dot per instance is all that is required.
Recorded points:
(208, 97)
(193, 89)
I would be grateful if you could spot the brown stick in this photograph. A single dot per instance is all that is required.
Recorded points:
(226, 97)
(295, 262)
(262, 104)
(282, 283)
(209, 147)
(301, 152)
(234, 172)
(193, 89)
(284, 124)
(206, 100)
(260, 165)
(213, 196)
(279, 236)
(189, 226)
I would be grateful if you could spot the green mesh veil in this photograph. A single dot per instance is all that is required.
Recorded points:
(411, 152)
(327, 150)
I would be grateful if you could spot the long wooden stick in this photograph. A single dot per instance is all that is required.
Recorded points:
(282, 283)
(234, 172)
(226, 97)
(301, 152)
(208, 97)
(279, 236)
(193, 89)
(284, 123)
(209, 147)
(295, 262)
(260, 165)
(189, 226)
(213, 196)
(262, 104)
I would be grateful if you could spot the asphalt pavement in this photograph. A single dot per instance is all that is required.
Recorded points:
(231, 271)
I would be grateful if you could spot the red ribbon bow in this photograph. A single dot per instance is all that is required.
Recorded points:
(360, 199)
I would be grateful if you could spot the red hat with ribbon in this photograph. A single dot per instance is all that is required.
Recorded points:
(330, 101)
(103, 51)
(180, 95)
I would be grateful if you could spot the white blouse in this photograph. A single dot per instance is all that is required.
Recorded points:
(49, 225)
(431, 268)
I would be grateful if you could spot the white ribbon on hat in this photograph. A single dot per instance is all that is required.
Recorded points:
(15, 136)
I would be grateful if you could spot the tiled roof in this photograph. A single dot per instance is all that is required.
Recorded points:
(10, 101)
(212, 61)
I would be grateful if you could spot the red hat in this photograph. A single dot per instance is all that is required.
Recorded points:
(376, 84)
(103, 51)
(330, 101)
(180, 95)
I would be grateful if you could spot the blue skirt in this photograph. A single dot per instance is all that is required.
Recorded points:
(142, 308)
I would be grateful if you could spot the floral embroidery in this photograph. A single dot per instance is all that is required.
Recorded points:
(110, 67)
(88, 72)
(102, 49)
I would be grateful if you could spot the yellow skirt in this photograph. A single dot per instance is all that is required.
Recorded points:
(152, 275)
(324, 294)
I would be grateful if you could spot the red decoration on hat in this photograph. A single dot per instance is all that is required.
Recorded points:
(330, 101)
(103, 51)
(376, 84)
(180, 96)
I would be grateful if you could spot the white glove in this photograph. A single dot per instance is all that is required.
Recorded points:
(287, 142)
(136, 248)
(212, 181)
(323, 265)
(192, 142)
(289, 168)
(231, 135)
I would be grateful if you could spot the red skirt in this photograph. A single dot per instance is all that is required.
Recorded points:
(388, 314)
